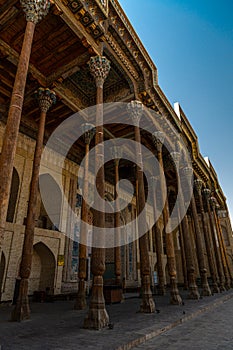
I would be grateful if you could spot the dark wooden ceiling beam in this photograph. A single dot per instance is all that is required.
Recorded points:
(5, 5)
(13, 57)
(69, 69)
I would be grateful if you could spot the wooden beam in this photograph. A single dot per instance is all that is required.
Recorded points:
(13, 57)
(69, 69)
(6, 5)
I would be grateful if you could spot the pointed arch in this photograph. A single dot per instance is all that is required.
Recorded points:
(43, 269)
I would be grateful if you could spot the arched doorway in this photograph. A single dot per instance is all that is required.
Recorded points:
(13, 196)
(43, 269)
(2, 271)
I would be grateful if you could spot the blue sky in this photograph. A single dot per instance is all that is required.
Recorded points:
(191, 43)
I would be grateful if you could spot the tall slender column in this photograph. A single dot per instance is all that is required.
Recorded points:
(117, 154)
(207, 193)
(225, 250)
(22, 311)
(97, 316)
(158, 243)
(208, 242)
(199, 242)
(213, 202)
(158, 139)
(191, 273)
(183, 257)
(135, 109)
(34, 11)
(88, 132)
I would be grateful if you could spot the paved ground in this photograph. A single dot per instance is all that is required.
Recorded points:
(211, 330)
(57, 326)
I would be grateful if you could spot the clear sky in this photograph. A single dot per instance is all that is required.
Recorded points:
(191, 43)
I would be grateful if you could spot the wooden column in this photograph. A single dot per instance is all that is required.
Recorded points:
(97, 317)
(117, 154)
(158, 139)
(199, 244)
(208, 241)
(135, 109)
(22, 311)
(158, 242)
(191, 273)
(225, 250)
(33, 12)
(183, 257)
(213, 202)
(207, 194)
(88, 132)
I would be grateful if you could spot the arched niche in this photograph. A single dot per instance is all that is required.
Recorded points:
(43, 269)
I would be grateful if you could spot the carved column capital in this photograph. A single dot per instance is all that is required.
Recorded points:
(46, 98)
(158, 138)
(35, 10)
(206, 193)
(188, 173)
(213, 202)
(175, 157)
(99, 68)
(135, 108)
(198, 183)
(88, 132)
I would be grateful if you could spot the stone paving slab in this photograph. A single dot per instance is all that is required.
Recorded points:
(58, 326)
(211, 330)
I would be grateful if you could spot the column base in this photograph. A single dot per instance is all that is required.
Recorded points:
(206, 292)
(147, 305)
(161, 290)
(215, 288)
(193, 292)
(221, 287)
(22, 311)
(175, 298)
(227, 284)
(97, 317)
(81, 302)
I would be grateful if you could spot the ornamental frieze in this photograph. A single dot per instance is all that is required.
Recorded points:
(90, 15)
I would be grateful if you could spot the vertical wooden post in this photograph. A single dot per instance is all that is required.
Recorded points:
(97, 317)
(208, 242)
(230, 272)
(191, 274)
(200, 250)
(22, 311)
(183, 257)
(213, 202)
(158, 243)
(175, 298)
(33, 12)
(88, 132)
(207, 193)
(117, 154)
(135, 109)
